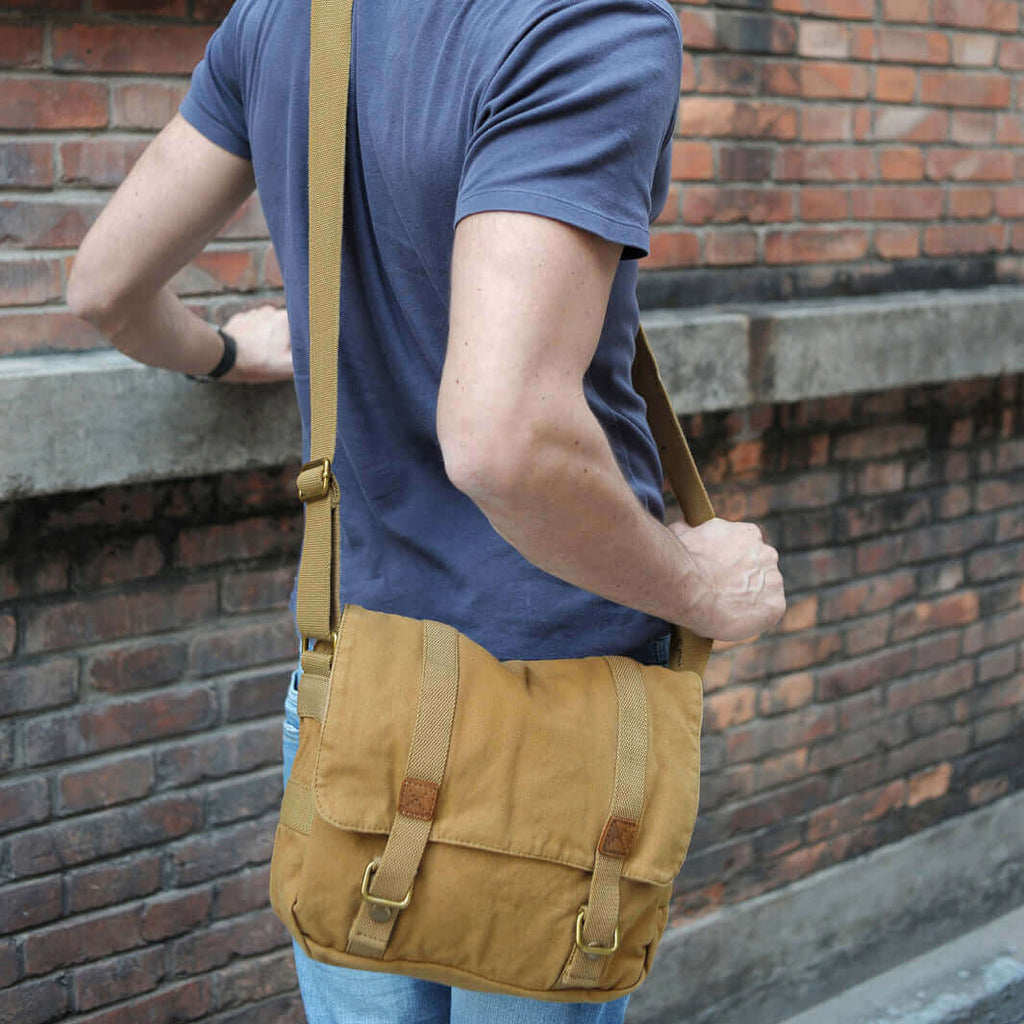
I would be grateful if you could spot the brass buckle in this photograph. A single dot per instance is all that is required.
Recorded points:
(321, 640)
(586, 948)
(381, 909)
(323, 487)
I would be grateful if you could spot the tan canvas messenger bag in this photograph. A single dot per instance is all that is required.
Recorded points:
(511, 826)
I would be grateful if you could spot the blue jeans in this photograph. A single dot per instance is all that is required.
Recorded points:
(342, 995)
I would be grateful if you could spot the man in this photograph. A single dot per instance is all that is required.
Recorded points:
(505, 161)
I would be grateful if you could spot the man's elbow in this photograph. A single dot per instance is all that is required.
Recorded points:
(86, 300)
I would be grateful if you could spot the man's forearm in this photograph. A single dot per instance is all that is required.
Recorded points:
(565, 506)
(160, 331)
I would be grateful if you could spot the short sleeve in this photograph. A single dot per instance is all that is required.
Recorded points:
(576, 118)
(213, 103)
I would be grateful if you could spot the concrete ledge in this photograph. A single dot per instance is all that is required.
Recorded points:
(778, 954)
(79, 410)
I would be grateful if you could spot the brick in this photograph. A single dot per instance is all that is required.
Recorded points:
(826, 123)
(879, 442)
(796, 652)
(882, 515)
(136, 667)
(37, 1002)
(246, 222)
(945, 682)
(936, 650)
(34, 687)
(800, 615)
(255, 695)
(30, 904)
(965, 89)
(901, 164)
(118, 615)
(815, 246)
(895, 85)
(8, 635)
(987, 791)
(1006, 695)
(867, 634)
(820, 204)
(251, 538)
(994, 494)
(928, 750)
(798, 864)
(82, 839)
(923, 616)
(249, 797)
(46, 104)
(974, 203)
(129, 974)
(692, 161)
(260, 590)
(249, 981)
(780, 769)
(719, 117)
(215, 755)
(736, 75)
(238, 894)
(219, 270)
(112, 882)
(722, 861)
(26, 282)
(44, 223)
(118, 561)
(823, 39)
(23, 802)
(969, 165)
(30, 333)
(149, 49)
(21, 46)
(1010, 202)
(996, 664)
(112, 724)
(785, 693)
(100, 162)
(859, 710)
(77, 941)
(805, 569)
(857, 810)
(730, 707)
(148, 105)
(994, 15)
(772, 808)
(745, 163)
(802, 727)
(735, 205)
(216, 945)
(910, 124)
(175, 914)
(754, 33)
(1011, 54)
(170, 1004)
(880, 478)
(973, 127)
(858, 674)
(963, 239)
(114, 782)
(854, 746)
(245, 646)
(730, 248)
(825, 164)
(996, 563)
(26, 164)
(907, 10)
(161, 8)
(10, 967)
(974, 50)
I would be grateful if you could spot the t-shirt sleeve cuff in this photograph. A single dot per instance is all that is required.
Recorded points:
(213, 129)
(635, 240)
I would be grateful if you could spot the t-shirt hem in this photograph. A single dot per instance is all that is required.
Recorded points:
(635, 241)
(212, 129)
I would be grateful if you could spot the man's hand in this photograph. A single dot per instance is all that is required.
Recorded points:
(742, 593)
(264, 346)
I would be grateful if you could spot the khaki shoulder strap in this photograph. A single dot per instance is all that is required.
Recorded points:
(318, 609)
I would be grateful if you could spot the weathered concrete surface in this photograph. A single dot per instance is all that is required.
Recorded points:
(64, 416)
(71, 423)
(764, 960)
(976, 979)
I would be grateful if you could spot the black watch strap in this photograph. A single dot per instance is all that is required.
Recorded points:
(227, 360)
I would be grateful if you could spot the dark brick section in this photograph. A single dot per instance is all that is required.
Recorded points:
(140, 748)
(892, 694)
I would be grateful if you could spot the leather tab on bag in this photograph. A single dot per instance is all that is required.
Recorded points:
(418, 799)
(618, 837)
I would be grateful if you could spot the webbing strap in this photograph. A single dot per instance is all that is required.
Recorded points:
(689, 650)
(297, 807)
(601, 914)
(392, 880)
(330, 40)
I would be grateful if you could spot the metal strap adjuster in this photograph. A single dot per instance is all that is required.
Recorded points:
(591, 951)
(382, 909)
(320, 488)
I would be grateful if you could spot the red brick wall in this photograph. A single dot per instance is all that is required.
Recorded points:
(841, 145)
(82, 94)
(145, 647)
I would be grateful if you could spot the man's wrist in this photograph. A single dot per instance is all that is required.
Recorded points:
(227, 359)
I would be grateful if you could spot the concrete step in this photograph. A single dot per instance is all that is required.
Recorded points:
(975, 979)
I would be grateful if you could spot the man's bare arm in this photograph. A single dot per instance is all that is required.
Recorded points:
(528, 301)
(175, 199)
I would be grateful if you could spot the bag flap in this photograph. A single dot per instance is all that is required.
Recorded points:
(531, 767)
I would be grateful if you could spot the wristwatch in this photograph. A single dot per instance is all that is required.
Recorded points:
(227, 360)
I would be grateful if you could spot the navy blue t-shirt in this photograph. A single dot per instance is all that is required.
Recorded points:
(563, 108)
